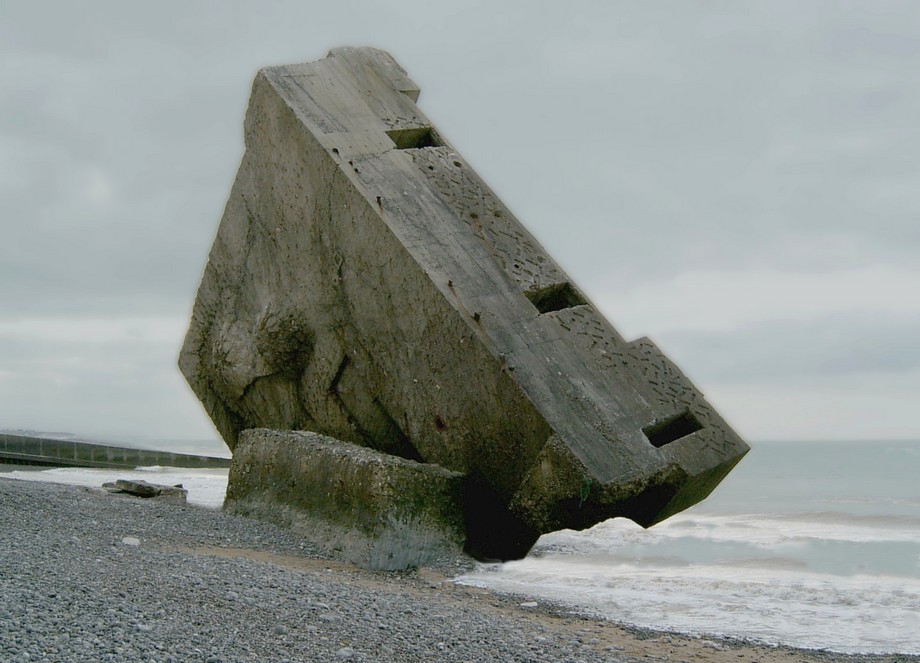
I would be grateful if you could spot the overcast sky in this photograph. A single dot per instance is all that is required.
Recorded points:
(740, 181)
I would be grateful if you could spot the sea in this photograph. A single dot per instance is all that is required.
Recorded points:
(807, 544)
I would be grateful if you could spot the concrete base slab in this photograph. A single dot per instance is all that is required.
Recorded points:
(375, 510)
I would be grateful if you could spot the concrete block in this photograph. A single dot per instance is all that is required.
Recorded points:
(366, 284)
(377, 510)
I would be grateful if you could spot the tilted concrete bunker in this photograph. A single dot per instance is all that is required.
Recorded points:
(366, 285)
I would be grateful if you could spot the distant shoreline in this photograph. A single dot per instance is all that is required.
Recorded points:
(58, 452)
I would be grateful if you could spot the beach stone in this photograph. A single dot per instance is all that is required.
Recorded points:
(366, 284)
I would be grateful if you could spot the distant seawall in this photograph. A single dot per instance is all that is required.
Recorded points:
(25, 450)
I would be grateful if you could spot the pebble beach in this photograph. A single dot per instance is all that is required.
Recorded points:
(88, 576)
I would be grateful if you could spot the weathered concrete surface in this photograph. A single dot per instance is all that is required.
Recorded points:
(367, 285)
(378, 510)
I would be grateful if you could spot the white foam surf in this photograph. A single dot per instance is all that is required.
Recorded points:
(740, 575)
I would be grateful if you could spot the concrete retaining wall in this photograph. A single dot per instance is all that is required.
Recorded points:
(21, 449)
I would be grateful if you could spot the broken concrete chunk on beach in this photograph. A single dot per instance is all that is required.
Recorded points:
(366, 285)
(379, 510)
(141, 488)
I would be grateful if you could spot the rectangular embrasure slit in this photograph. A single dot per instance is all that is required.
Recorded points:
(555, 297)
(410, 139)
(672, 429)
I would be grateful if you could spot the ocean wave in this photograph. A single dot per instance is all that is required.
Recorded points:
(763, 530)
(767, 599)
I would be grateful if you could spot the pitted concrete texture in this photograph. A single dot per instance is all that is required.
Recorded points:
(378, 510)
(366, 284)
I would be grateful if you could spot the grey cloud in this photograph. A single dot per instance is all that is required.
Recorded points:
(750, 145)
(839, 345)
(636, 140)
(120, 387)
(663, 156)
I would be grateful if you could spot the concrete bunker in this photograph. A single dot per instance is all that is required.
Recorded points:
(366, 286)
